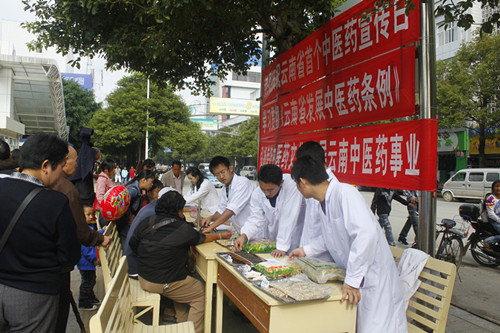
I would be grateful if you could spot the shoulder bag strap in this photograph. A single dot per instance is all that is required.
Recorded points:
(156, 226)
(16, 216)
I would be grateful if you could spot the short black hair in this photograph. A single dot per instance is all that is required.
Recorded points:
(148, 164)
(313, 149)
(40, 147)
(107, 164)
(4, 150)
(157, 184)
(145, 174)
(270, 173)
(309, 168)
(176, 163)
(15, 154)
(170, 204)
(493, 185)
(218, 160)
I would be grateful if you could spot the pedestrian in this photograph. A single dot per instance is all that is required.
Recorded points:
(43, 242)
(132, 172)
(87, 264)
(124, 176)
(354, 239)
(381, 205)
(118, 175)
(7, 164)
(86, 236)
(412, 220)
(102, 185)
(174, 177)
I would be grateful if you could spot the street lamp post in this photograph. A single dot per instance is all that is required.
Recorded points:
(146, 154)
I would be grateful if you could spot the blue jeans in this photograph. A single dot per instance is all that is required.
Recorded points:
(383, 220)
(496, 238)
(412, 221)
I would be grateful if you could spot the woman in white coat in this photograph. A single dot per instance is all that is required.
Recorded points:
(201, 189)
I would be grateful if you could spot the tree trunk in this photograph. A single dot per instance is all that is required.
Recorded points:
(482, 144)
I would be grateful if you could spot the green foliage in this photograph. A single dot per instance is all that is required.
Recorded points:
(171, 40)
(80, 106)
(122, 126)
(468, 87)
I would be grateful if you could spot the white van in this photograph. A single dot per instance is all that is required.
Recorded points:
(470, 183)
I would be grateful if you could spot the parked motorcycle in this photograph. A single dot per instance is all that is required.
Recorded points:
(486, 257)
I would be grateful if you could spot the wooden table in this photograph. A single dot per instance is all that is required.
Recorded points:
(270, 315)
(206, 266)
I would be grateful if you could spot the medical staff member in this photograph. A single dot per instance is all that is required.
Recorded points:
(234, 199)
(355, 240)
(313, 215)
(278, 210)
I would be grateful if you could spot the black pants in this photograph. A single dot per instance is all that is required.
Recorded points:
(87, 288)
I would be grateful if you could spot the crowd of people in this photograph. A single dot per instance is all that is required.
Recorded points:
(307, 213)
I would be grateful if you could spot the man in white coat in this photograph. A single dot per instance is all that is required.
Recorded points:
(314, 215)
(277, 211)
(355, 240)
(234, 199)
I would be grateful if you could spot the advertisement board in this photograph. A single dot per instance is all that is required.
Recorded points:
(242, 107)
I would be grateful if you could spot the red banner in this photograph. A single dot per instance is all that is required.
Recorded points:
(378, 89)
(398, 155)
(341, 42)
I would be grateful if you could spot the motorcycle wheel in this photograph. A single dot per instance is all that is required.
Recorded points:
(483, 259)
(451, 250)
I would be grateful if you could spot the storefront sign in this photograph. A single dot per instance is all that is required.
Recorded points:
(400, 155)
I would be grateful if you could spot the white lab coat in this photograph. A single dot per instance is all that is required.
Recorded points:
(312, 223)
(207, 194)
(282, 223)
(355, 240)
(240, 192)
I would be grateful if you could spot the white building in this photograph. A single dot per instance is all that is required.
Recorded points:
(449, 40)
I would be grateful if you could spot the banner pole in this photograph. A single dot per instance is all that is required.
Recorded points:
(427, 100)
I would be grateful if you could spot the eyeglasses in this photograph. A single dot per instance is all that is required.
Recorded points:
(222, 173)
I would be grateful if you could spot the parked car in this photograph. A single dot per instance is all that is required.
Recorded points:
(470, 183)
(204, 167)
(249, 171)
(212, 178)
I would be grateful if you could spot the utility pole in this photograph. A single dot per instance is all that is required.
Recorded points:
(146, 154)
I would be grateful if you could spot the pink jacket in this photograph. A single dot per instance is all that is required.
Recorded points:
(102, 185)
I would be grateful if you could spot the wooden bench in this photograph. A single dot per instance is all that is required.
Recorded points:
(116, 312)
(428, 308)
(110, 258)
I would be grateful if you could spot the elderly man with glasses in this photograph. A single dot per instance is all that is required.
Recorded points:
(235, 196)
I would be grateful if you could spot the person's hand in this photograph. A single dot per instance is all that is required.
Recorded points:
(278, 253)
(239, 242)
(106, 241)
(299, 252)
(350, 293)
(208, 230)
(226, 234)
(97, 262)
(206, 222)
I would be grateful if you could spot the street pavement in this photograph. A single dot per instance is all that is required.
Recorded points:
(475, 296)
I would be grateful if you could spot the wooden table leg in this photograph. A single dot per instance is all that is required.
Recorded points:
(219, 308)
(209, 291)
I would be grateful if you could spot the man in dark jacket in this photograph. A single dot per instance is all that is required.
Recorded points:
(86, 236)
(42, 244)
(381, 205)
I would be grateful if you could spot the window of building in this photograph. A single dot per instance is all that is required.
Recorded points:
(250, 77)
(447, 36)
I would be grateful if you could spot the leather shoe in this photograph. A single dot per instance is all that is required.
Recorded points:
(402, 240)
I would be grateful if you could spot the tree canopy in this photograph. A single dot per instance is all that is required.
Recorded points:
(121, 127)
(80, 106)
(468, 87)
